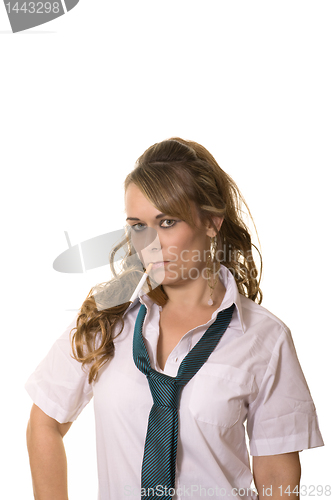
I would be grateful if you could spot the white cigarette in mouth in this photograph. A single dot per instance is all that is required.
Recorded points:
(141, 282)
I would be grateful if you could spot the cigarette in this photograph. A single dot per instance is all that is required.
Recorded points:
(141, 282)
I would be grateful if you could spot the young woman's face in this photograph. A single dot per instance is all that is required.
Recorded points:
(180, 250)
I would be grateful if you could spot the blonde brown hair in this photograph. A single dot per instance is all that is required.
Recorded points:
(173, 175)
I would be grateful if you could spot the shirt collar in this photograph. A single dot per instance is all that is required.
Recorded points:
(232, 296)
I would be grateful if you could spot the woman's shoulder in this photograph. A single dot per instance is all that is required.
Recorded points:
(261, 321)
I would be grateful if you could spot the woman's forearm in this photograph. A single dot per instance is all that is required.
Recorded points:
(277, 477)
(279, 490)
(48, 462)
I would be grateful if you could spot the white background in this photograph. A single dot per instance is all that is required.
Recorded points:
(84, 95)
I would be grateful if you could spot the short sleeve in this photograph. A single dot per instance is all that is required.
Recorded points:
(283, 417)
(59, 386)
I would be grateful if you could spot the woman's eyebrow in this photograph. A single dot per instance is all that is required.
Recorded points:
(157, 217)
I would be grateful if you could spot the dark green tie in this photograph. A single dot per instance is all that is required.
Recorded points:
(159, 460)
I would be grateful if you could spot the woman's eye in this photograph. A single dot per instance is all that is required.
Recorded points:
(136, 228)
(172, 221)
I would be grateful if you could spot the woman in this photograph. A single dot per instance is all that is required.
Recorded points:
(204, 279)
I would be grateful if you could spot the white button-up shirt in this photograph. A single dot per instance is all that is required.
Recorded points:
(252, 377)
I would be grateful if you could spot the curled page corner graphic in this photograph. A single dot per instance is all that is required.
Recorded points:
(23, 15)
(95, 252)
(89, 254)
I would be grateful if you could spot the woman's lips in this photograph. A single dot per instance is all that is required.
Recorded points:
(159, 264)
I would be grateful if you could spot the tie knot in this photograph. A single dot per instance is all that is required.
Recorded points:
(164, 389)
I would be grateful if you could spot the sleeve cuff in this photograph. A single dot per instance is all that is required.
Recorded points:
(288, 444)
(49, 407)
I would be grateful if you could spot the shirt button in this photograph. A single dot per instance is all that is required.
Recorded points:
(176, 359)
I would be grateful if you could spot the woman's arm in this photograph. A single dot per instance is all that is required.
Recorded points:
(277, 476)
(47, 456)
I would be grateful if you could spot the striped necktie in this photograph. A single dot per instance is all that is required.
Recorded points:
(159, 460)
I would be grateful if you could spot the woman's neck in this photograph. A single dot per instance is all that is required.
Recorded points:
(194, 294)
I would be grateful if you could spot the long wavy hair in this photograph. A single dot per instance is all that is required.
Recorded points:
(173, 175)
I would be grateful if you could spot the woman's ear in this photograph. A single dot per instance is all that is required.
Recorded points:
(210, 228)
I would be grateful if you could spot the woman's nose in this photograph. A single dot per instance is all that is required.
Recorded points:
(145, 240)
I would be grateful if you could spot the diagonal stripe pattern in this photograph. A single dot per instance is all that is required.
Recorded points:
(159, 460)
